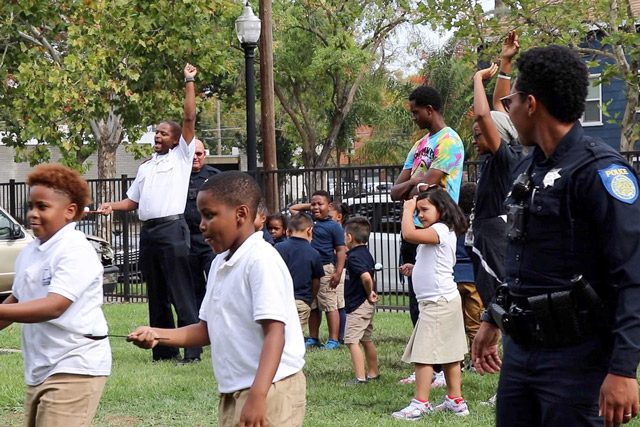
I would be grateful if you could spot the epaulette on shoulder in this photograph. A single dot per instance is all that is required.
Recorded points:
(597, 146)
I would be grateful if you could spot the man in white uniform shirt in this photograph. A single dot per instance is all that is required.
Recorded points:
(159, 192)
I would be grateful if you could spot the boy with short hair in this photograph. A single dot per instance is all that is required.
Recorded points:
(304, 264)
(360, 298)
(57, 296)
(259, 222)
(249, 292)
(328, 240)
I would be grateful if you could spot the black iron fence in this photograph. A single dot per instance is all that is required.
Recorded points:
(365, 189)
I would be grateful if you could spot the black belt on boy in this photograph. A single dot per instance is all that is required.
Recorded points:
(155, 221)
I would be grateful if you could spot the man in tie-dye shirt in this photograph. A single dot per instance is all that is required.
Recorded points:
(436, 158)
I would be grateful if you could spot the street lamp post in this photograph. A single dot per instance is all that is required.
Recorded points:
(248, 31)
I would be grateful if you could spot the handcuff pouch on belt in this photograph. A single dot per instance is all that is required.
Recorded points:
(552, 319)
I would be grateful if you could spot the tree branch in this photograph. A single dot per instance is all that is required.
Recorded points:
(596, 52)
(27, 37)
(292, 114)
(44, 42)
(314, 32)
(311, 135)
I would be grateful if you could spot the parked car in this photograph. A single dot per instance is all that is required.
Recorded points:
(14, 238)
(377, 186)
(383, 213)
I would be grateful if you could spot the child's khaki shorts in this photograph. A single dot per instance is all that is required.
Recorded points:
(359, 326)
(327, 299)
(286, 403)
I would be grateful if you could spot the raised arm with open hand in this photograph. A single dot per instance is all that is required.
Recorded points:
(510, 48)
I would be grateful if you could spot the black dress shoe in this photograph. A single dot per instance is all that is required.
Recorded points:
(189, 360)
(165, 359)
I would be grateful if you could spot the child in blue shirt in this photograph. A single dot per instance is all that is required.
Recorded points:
(328, 240)
(277, 227)
(360, 298)
(304, 264)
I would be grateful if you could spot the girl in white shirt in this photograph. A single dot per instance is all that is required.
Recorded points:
(438, 337)
(57, 295)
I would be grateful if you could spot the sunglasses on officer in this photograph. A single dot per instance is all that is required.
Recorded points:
(506, 100)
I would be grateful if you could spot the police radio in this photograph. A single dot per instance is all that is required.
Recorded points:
(517, 209)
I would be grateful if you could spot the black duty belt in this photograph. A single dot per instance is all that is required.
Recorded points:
(162, 220)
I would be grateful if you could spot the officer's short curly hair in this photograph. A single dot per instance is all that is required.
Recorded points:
(64, 180)
(234, 189)
(424, 96)
(557, 77)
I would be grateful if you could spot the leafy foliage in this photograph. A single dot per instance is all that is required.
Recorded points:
(601, 30)
(323, 51)
(81, 75)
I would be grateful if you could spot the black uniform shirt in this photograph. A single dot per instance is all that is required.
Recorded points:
(495, 181)
(304, 265)
(191, 214)
(583, 218)
(359, 261)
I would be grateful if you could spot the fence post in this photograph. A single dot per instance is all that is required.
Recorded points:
(12, 198)
(126, 254)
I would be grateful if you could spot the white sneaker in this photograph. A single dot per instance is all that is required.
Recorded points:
(458, 406)
(409, 380)
(491, 401)
(415, 411)
(438, 380)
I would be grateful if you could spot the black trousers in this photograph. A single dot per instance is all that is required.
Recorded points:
(164, 261)
(200, 257)
(408, 256)
(487, 255)
(551, 386)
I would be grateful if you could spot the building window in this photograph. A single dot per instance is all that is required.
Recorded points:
(593, 107)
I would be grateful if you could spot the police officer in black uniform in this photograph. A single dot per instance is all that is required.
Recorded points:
(200, 253)
(570, 312)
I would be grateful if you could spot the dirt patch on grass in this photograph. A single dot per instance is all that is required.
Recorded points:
(11, 419)
(121, 420)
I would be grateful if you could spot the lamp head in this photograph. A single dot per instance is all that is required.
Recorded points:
(248, 26)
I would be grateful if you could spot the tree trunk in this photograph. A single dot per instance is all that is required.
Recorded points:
(628, 134)
(108, 134)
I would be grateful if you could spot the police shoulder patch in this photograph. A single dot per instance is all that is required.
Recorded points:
(620, 182)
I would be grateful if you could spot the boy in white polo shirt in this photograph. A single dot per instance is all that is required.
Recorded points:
(248, 314)
(57, 295)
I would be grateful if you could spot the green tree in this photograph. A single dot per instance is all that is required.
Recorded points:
(451, 74)
(323, 51)
(604, 31)
(381, 104)
(80, 75)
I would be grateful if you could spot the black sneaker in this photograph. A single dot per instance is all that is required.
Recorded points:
(167, 359)
(189, 360)
(355, 381)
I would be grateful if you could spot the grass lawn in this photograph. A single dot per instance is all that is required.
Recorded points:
(140, 393)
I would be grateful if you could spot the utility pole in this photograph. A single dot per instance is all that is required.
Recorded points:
(218, 126)
(267, 107)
